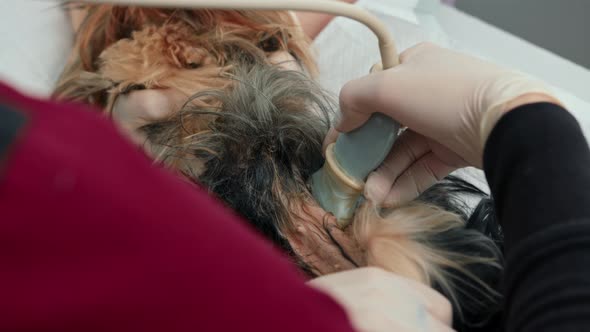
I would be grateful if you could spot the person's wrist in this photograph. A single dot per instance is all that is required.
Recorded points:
(491, 117)
(529, 98)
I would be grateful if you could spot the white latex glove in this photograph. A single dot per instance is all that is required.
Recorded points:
(377, 300)
(449, 101)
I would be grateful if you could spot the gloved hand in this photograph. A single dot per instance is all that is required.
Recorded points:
(449, 101)
(377, 300)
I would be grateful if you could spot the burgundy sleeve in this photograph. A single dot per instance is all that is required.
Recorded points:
(95, 238)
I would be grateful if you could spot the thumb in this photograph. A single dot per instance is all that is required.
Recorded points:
(407, 149)
(355, 103)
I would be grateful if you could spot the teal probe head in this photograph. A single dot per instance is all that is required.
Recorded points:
(338, 185)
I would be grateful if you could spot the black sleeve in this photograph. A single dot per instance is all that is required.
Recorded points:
(537, 163)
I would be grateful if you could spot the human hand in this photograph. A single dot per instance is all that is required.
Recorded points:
(377, 300)
(449, 101)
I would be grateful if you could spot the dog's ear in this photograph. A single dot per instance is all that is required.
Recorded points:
(107, 24)
(102, 26)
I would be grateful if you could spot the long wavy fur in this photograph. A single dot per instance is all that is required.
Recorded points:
(117, 47)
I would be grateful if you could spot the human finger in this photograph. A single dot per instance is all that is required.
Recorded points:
(416, 50)
(379, 91)
(365, 292)
(436, 325)
(383, 91)
(409, 147)
(379, 320)
(420, 176)
(385, 286)
(355, 101)
(435, 303)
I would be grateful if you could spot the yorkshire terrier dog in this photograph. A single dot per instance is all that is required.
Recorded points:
(251, 133)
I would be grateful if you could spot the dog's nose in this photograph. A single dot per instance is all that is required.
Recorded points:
(133, 87)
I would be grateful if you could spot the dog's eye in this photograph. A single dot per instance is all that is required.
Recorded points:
(133, 87)
(295, 56)
(193, 65)
(270, 44)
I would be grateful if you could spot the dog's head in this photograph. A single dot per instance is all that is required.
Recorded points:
(119, 49)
